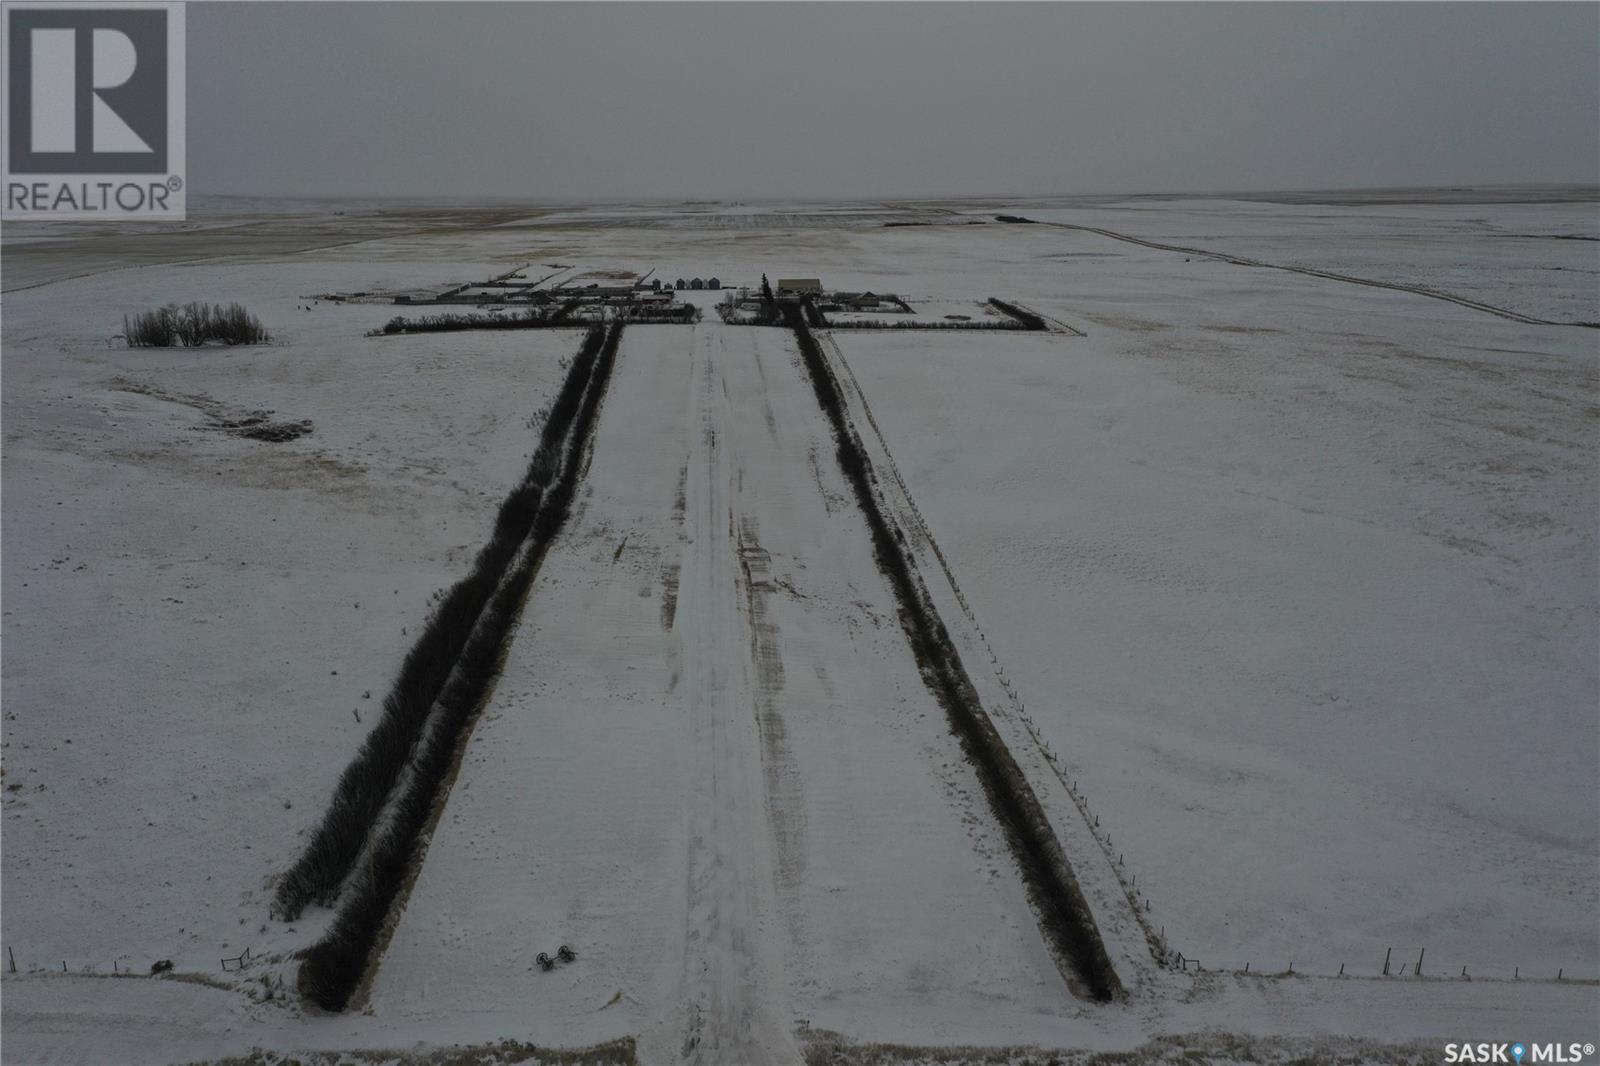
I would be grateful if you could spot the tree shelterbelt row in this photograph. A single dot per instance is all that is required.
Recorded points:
(373, 830)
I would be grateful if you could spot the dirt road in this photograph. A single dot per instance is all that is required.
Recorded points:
(712, 767)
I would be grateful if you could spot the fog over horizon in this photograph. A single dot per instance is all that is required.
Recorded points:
(836, 101)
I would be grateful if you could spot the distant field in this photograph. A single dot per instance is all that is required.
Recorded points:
(1281, 590)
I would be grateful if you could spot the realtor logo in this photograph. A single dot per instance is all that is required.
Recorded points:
(94, 111)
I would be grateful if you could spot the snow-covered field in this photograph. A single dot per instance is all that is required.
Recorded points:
(1537, 259)
(1296, 579)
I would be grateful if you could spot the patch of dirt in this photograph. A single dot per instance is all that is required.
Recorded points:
(1136, 325)
(784, 793)
(615, 1053)
(252, 425)
(1195, 1049)
(257, 426)
(669, 571)
(669, 595)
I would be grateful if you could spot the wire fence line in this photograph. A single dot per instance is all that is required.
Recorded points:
(1393, 967)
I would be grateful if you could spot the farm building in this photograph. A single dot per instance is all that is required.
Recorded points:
(697, 284)
(869, 301)
(864, 301)
(713, 283)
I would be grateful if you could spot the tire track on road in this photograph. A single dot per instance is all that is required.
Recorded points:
(785, 794)
(732, 975)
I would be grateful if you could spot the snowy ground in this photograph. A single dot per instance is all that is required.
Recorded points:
(1536, 259)
(1296, 578)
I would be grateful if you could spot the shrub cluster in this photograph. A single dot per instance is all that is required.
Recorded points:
(1027, 318)
(529, 520)
(192, 325)
(364, 786)
(1051, 883)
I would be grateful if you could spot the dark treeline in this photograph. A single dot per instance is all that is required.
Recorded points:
(532, 515)
(564, 312)
(560, 317)
(364, 786)
(1014, 218)
(1028, 319)
(1052, 886)
(768, 314)
(445, 322)
(193, 325)
(672, 314)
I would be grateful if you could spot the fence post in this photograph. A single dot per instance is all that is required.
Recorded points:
(1418, 971)
(1341, 969)
(1386, 954)
(13, 957)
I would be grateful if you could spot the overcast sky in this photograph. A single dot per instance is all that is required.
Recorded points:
(842, 100)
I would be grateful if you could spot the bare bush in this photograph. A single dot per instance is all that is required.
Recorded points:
(193, 325)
